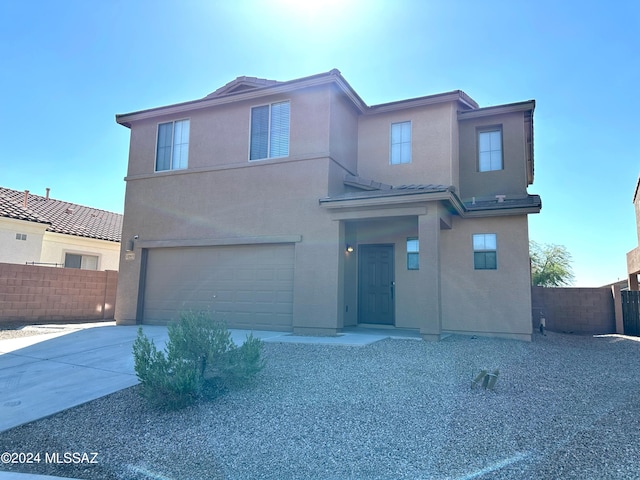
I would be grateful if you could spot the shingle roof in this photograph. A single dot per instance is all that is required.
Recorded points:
(62, 217)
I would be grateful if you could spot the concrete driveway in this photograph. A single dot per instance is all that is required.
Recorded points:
(47, 373)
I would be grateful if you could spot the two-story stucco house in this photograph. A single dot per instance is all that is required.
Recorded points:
(295, 206)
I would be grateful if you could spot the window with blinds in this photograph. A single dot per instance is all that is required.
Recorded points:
(172, 149)
(270, 131)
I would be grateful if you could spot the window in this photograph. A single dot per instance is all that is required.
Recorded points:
(173, 146)
(21, 236)
(85, 262)
(269, 131)
(490, 150)
(413, 249)
(400, 143)
(485, 251)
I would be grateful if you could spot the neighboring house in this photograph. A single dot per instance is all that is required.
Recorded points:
(42, 231)
(294, 206)
(633, 257)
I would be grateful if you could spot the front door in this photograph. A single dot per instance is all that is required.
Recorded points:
(376, 284)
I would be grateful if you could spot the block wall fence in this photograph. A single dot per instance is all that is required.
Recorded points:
(575, 310)
(36, 294)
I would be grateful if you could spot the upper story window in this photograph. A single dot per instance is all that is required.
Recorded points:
(400, 143)
(172, 151)
(269, 131)
(21, 236)
(485, 251)
(490, 150)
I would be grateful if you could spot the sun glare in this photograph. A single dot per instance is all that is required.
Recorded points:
(316, 13)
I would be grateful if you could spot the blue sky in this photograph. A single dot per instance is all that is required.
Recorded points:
(69, 66)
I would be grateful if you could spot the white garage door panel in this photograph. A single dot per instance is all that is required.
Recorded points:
(249, 286)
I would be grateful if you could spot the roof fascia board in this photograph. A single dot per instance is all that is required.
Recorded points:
(501, 212)
(497, 110)
(372, 201)
(455, 96)
(181, 108)
(419, 197)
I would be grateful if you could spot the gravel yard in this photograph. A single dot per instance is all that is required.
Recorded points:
(563, 407)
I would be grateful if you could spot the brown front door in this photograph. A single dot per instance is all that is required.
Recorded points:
(376, 286)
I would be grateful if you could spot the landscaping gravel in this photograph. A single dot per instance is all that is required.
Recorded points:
(563, 407)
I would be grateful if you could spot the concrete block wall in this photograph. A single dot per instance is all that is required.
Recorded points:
(30, 293)
(574, 310)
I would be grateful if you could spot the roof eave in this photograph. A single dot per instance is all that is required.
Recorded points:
(457, 96)
(332, 76)
(409, 197)
(497, 110)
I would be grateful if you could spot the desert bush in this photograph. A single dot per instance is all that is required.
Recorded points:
(200, 360)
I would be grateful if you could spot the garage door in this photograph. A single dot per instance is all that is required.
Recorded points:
(248, 286)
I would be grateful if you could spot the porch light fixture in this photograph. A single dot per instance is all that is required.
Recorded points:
(349, 248)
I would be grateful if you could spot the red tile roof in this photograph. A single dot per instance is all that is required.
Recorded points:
(62, 217)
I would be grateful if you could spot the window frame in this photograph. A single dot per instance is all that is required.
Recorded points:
(270, 131)
(82, 260)
(173, 145)
(401, 143)
(413, 254)
(481, 255)
(488, 130)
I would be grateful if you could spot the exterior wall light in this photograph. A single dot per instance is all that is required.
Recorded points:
(131, 244)
(349, 248)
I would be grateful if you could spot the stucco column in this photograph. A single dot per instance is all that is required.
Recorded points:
(633, 282)
(428, 302)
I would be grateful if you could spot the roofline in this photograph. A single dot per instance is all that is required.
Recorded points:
(637, 190)
(333, 76)
(497, 110)
(408, 196)
(453, 96)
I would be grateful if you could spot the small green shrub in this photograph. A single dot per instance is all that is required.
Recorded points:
(201, 360)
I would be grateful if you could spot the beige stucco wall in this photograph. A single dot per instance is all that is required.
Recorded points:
(431, 135)
(261, 199)
(20, 251)
(512, 180)
(487, 302)
(56, 245)
(219, 137)
(343, 129)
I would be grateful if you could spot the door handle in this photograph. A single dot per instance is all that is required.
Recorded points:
(393, 287)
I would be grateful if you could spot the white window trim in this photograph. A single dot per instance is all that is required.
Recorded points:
(485, 250)
(414, 252)
(155, 157)
(98, 257)
(391, 162)
(269, 131)
(489, 129)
